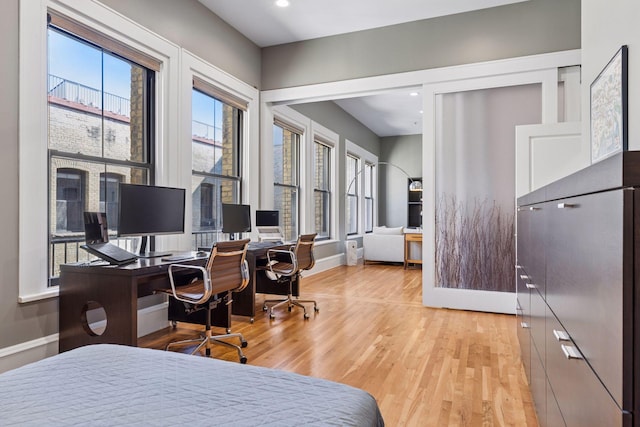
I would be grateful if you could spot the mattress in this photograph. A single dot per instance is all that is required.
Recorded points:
(106, 385)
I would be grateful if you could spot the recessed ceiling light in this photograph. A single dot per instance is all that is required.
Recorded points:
(421, 111)
(414, 94)
(282, 3)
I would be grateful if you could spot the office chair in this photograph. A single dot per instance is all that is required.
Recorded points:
(287, 265)
(226, 271)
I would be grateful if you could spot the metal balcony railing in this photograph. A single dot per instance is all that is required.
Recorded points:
(88, 96)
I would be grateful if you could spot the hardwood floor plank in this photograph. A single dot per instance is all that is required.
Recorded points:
(424, 366)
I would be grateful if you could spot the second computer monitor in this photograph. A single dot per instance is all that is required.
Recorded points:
(267, 218)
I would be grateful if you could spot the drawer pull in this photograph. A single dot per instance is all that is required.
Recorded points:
(570, 352)
(530, 285)
(524, 277)
(534, 208)
(518, 267)
(566, 205)
(524, 325)
(561, 335)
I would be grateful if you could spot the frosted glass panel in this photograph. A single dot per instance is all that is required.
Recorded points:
(475, 185)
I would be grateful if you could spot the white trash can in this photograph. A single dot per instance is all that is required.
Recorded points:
(352, 252)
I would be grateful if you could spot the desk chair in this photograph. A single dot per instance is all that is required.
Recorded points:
(226, 271)
(287, 265)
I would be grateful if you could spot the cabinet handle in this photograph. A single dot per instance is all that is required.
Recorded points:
(561, 335)
(524, 325)
(570, 352)
(566, 205)
(533, 208)
(524, 277)
(530, 285)
(518, 267)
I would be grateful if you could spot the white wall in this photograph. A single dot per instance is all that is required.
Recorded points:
(607, 25)
(405, 152)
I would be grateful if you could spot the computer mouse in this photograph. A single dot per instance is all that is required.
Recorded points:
(201, 254)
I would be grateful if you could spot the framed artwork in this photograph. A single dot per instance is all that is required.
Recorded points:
(609, 109)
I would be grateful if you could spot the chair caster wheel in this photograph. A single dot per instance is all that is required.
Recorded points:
(244, 344)
(272, 316)
(306, 316)
(289, 309)
(243, 359)
(316, 309)
(264, 308)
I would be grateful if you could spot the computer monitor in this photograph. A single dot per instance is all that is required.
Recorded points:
(236, 218)
(145, 210)
(267, 218)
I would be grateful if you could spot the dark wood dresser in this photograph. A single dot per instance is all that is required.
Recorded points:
(578, 267)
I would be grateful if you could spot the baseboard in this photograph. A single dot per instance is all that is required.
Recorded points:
(153, 318)
(150, 319)
(29, 351)
(327, 263)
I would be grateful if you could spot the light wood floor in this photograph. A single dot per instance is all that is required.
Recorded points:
(424, 366)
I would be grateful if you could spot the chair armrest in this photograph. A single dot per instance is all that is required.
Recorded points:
(205, 279)
(292, 257)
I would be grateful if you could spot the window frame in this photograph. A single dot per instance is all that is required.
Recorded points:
(365, 158)
(352, 189)
(235, 178)
(325, 191)
(56, 155)
(296, 176)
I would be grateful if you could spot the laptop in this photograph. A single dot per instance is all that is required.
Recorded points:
(97, 243)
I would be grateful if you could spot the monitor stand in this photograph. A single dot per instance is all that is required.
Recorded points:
(144, 254)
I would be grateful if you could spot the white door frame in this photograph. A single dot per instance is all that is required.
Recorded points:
(507, 72)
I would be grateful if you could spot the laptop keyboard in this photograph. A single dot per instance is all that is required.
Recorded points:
(113, 251)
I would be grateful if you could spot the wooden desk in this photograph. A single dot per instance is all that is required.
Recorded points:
(117, 289)
(408, 238)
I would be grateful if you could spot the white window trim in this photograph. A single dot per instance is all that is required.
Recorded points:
(332, 140)
(311, 132)
(363, 157)
(193, 66)
(297, 120)
(33, 207)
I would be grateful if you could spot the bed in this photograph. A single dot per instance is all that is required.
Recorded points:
(106, 384)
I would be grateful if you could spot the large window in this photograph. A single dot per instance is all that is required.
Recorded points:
(216, 141)
(100, 109)
(286, 167)
(322, 189)
(353, 184)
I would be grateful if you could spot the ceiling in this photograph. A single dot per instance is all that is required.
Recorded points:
(264, 23)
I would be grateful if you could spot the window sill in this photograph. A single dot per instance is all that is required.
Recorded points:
(325, 242)
(49, 293)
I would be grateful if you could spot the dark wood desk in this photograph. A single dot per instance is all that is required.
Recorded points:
(117, 289)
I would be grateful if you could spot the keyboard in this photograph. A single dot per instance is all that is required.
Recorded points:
(109, 252)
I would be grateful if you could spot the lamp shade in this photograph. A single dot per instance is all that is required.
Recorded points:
(415, 186)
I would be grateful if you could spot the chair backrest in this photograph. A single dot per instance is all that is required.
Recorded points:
(227, 266)
(304, 251)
